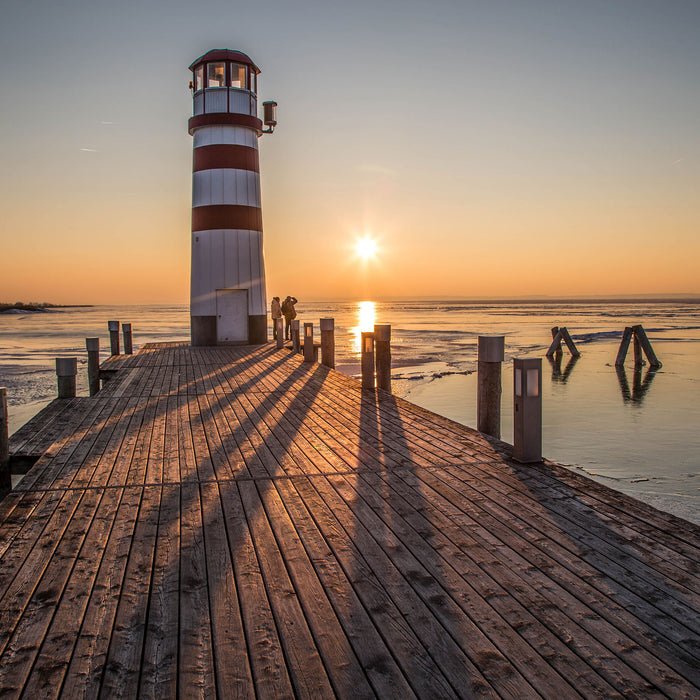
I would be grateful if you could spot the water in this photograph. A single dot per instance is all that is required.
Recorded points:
(635, 432)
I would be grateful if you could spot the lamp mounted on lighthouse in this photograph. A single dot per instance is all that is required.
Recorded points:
(228, 304)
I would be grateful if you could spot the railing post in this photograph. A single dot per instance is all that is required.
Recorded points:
(527, 409)
(5, 476)
(294, 332)
(488, 399)
(328, 342)
(279, 332)
(382, 340)
(66, 371)
(113, 337)
(93, 364)
(367, 360)
(308, 342)
(126, 331)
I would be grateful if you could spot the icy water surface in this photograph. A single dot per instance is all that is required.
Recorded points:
(636, 431)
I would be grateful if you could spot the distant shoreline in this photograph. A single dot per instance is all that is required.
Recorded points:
(21, 307)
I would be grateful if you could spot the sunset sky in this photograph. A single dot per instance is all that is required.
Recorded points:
(492, 148)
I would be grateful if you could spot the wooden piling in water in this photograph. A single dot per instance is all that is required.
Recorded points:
(559, 335)
(66, 373)
(93, 364)
(641, 343)
(113, 337)
(126, 332)
(624, 346)
(367, 359)
(5, 476)
(641, 335)
(328, 342)
(382, 349)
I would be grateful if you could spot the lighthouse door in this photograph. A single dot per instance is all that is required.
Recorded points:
(231, 316)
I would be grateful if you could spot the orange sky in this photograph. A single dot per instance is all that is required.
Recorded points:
(502, 150)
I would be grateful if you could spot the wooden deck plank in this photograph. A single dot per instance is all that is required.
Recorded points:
(233, 521)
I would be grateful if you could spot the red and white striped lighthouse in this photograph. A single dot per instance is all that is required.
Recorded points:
(228, 304)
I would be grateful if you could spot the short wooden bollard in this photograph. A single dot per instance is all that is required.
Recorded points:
(309, 342)
(328, 342)
(488, 398)
(93, 364)
(66, 372)
(113, 337)
(126, 332)
(382, 349)
(279, 331)
(527, 409)
(367, 360)
(5, 476)
(294, 332)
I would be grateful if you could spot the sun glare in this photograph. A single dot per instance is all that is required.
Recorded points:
(366, 248)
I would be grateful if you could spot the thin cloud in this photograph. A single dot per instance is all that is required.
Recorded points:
(89, 150)
(372, 169)
(106, 123)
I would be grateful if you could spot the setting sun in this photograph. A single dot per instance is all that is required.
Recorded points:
(366, 248)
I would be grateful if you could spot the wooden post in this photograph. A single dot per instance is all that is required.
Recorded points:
(66, 371)
(308, 342)
(93, 364)
(488, 400)
(5, 476)
(638, 358)
(556, 342)
(113, 336)
(279, 332)
(569, 342)
(126, 331)
(382, 340)
(646, 346)
(367, 360)
(328, 342)
(624, 346)
(294, 332)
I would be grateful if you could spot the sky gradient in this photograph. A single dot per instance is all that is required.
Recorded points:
(499, 148)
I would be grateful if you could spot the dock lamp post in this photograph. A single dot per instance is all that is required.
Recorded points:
(228, 303)
(527, 409)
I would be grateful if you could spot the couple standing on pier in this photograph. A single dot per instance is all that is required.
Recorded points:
(287, 310)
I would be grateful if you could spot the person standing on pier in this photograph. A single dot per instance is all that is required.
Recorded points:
(289, 314)
(275, 312)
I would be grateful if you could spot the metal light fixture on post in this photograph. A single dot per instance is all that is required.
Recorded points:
(527, 409)
(367, 360)
(488, 399)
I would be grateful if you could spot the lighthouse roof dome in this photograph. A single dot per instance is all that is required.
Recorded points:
(225, 55)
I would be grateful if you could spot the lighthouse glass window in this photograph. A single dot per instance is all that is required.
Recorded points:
(215, 75)
(199, 78)
(238, 74)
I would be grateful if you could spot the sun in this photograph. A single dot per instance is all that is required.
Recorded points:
(366, 248)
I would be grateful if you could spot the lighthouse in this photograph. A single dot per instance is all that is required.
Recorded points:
(228, 304)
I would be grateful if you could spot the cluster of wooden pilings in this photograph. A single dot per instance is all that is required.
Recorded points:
(375, 349)
(67, 367)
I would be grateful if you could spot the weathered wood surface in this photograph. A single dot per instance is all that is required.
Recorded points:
(223, 522)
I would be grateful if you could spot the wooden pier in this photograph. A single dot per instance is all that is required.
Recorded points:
(234, 522)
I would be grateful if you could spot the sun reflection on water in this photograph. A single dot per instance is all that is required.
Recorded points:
(366, 318)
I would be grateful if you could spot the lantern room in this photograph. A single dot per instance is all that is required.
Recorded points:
(224, 81)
